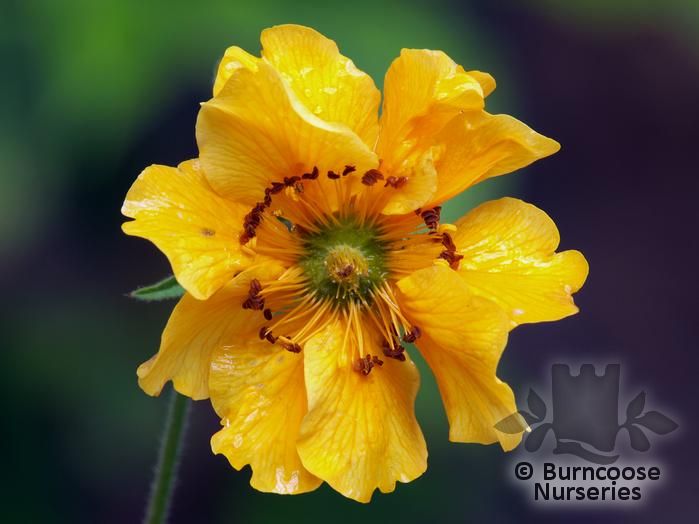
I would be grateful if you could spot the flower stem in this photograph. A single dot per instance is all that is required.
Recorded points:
(168, 459)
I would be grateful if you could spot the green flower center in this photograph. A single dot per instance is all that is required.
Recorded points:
(344, 261)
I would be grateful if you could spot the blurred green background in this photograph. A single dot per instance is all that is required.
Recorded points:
(91, 93)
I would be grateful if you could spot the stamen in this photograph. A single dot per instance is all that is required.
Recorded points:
(396, 351)
(348, 169)
(332, 175)
(431, 217)
(268, 314)
(312, 175)
(412, 335)
(254, 300)
(396, 182)
(371, 177)
(450, 254)
(365, 364)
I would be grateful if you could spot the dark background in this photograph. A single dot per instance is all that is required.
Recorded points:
(92, 92)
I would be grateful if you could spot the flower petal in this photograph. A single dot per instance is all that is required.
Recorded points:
(423, 90)
(257, 131)
(234, 58)
(476, 146)
(462, 339)
(176, 209)
(195, 329)
(258, 390)
(329, 84)
(509, 257)
(360, 432)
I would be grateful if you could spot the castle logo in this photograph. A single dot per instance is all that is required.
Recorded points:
(584, 416)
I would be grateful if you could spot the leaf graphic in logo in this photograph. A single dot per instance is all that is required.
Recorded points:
(530, 419)
(536, 437)
(536, 405)
(638, 439)
(657, 422)
(635, 407)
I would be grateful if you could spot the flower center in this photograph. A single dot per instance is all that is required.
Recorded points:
(344, 261)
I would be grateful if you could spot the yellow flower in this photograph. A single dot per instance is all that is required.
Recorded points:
(308, 238)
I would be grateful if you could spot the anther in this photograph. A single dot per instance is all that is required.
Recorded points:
(396, 352)
(448, 242)
(371, 177)
(291, 180)
(396, 182)
(332, 175)
(263, 332)
(298, 187)
(254, 300)
(431, 217)
(312, 175)
(277, 187)
(289, 345)
(364, 365)
(348, 169)
(452, 257)
(412, 335)
(268, 314)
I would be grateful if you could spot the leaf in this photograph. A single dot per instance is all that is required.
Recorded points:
(512, 424)
(657, 422)
(166, 289)
(536, 437)
(536, 405)
(528, 417)
(637, 438)
(635, 407)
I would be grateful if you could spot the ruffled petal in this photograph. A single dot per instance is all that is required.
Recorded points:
(475, 146)
(423, 90)
(509, 250)
(233, 59)
(327, 83)
(462, 339)
(257, 131)
(195, 329)
(360, 432)
(176, 209)
(258, 391)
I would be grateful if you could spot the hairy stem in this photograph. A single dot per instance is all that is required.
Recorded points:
(168, 459)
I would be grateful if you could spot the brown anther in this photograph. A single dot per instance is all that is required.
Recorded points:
(263, 332)
(268, 200)
(289, 346)
(371, 177)
(268, 314)
(412, 335)
(431, 217)
(448, 242)
(271, 338)
(396, 352)
(332, 175)
(348, 169)
(452, 257)
(298, 187)
(207, 232)
(291, 180)
(277, 187)
(396, 182)
(376, 360)
(364, 365)
(312, 175)
(254, 301)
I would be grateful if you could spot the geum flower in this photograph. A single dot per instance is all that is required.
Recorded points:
(308, 238)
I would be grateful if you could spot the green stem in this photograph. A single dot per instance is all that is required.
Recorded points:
(168, 459)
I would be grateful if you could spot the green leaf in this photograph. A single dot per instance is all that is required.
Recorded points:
(166, 289)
